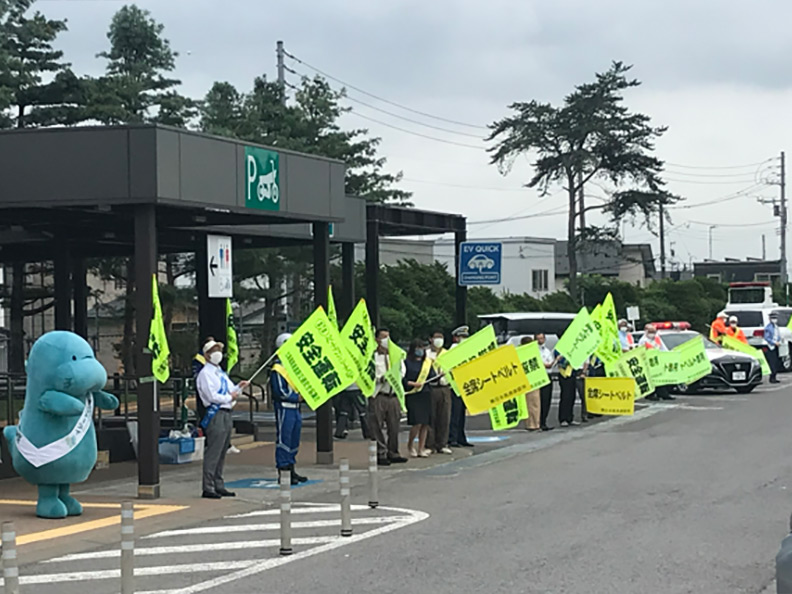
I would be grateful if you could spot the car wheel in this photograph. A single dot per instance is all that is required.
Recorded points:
(786, 362)
(745, 389)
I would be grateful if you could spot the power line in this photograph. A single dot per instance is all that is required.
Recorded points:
(745, 166)
(379, 98)
(739, 194)
(715, 175)
(426, 136)
(709, 182)
(463, 186)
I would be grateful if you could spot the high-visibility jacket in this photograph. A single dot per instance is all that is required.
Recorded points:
(717, 329)
(738, 334)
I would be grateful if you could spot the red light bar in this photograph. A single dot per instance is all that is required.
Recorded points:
(672, 325)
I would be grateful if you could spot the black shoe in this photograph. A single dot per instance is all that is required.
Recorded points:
(398, 460)
(300, 478)
(210, 495)
(584, 419)
(454, 445)
(226, 493)
(775, 381)
(467, 444)
(293, 480)
(546, 428)
(383, 462)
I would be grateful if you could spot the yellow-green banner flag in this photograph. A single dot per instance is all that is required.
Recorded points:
(663, 367)
(477, 345)
(394, 375)
(331, 310)
(158, 341)
(316, 361)
(533, 366)
(609, 348)
(232, 344)
(509, 414)
(693, 361)
(736, 345)
(633, 364)
(580, 340)
(359, 341)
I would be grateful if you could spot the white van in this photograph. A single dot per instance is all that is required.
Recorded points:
(509, 327)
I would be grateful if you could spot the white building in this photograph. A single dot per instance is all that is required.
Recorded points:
(528, 263)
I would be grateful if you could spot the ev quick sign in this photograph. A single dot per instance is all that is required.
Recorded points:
(262, 176)
(480, 263)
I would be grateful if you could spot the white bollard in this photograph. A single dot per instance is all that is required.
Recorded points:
(127, 548)
(373, 476)
(10, 566)
(285, 513)
(346, 504)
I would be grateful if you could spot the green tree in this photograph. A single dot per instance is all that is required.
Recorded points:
(137, 87)
(37, 88)
(591, 136)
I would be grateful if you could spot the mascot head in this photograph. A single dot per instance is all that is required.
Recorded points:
(65, 362)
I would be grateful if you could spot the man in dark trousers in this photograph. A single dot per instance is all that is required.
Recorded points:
(384, 407)
(351, 401)
(772, 337)
(456, 432)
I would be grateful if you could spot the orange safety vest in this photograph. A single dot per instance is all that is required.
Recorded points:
(717, 329)
(655, 344)
(738, 334)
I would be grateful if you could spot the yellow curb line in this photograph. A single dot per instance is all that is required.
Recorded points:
(142, 512)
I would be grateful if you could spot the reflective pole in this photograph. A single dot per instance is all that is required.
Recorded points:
(285, 513)
(373, 476)
(10, 567)
(127, 548)
(346, 507)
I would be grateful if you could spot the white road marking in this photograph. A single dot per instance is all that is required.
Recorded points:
(199, 548)
(410, 517)
(274, 526)
(301, 510)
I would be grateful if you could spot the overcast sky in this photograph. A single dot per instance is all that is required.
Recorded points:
(716, 72)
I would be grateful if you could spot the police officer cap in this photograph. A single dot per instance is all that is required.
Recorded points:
(461, 331)
(281, 340)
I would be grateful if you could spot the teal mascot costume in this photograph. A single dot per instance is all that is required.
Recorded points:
(54, 444)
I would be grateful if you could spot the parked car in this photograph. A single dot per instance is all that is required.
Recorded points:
(509, 326)
(753, 319)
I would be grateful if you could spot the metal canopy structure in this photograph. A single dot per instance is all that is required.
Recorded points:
(398, 221)
(67, 194)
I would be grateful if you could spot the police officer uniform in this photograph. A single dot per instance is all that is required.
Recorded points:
(456, 432)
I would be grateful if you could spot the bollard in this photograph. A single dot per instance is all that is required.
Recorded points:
(285, 513)
(10, 567)
(127, 548)
(346, 510)
(373, 477)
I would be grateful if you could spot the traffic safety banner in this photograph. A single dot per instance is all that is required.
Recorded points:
(736, 345)
(358, 339)
(580, 340)
(477, 345)
(509, 414)
(394, 375)
(491, 379)
(316, 361)
(693, 361)
(610, 395)
(533, 366)
(664, 367)
(633, 364)
(158, 340)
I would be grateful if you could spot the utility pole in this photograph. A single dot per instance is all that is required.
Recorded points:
(783, 222)
(711, 227)
(764, 248)
(581, 203)
(662, 244)
(279, 52)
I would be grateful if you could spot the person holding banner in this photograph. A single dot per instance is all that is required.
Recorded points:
(625, 338)
(546, 392)
(219, 394)
(384, 408)
(735, 331)
(532, 400)
(651, 340)
(441, 399)
(718, 327)
(419, 400)
(456, 432)
(772, 337)
(288, 418)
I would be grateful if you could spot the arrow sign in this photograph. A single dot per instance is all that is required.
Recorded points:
(212, 266)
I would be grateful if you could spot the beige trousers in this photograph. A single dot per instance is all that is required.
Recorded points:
(534, 403)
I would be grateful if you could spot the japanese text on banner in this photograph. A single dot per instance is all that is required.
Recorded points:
(580, 340)
(758, 354)
(477, 345)
(509, 414)
(358, 339)
(610, 395)
(393, 376)
(663, 367)
(533, 366)
(609, 348)
(633, 364)
(331, 308)
(491, 379)
(158, 341)
(693, 361)
(316, 361)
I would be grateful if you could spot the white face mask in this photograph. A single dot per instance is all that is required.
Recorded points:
(438, 343)
(384, 342)
(650, 335)
(216, 357)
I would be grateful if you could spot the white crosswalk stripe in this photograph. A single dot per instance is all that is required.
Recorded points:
(203, 558)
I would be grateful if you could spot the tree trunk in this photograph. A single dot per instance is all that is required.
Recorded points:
(128, 345)
(571, 243)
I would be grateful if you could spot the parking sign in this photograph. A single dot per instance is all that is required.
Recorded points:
(480, 263)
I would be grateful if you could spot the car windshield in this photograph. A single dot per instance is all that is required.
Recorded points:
(783, 316)
(674, 339)
(749, 318)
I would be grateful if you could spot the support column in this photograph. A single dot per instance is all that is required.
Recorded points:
(63, 285)
(16, 351)
(211, 312)
(372, 270)
(80, 281)
(324, 414)
(347, 280)
(461, 292)
(148, 399)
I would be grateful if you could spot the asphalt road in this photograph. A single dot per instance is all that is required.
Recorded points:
(692, 496)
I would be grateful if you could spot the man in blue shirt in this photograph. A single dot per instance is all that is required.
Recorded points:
(288, 418)
(772, 337)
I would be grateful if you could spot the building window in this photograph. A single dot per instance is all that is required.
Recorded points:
(716, 277)
(540, 280)
(764, 277)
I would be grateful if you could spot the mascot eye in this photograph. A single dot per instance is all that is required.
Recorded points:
(74, 357)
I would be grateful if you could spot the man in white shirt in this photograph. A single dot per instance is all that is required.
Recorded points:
(441, 399)
(384, 407)
(546, 392)
(218, 394)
